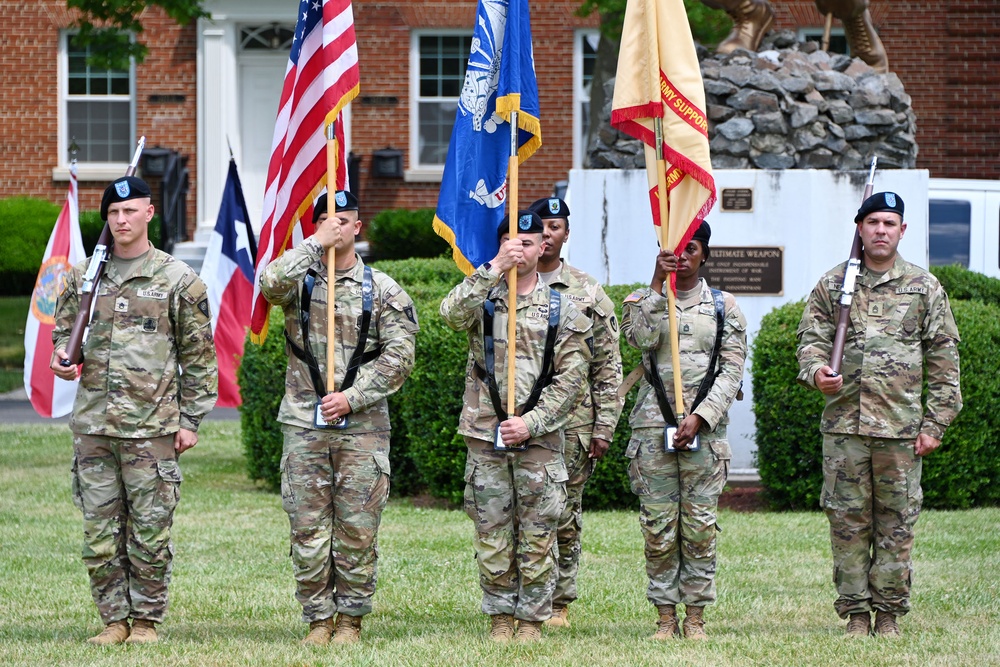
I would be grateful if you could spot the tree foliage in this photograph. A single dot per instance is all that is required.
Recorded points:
(108, 27)
(708, 25)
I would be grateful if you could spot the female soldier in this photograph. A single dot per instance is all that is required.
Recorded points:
(678, 473)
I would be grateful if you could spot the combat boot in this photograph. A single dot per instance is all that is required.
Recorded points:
(528, 631)
(751, 21)
(694, 623)
(858, 29)
(114, 632)
(885, 624)
(348, 630)
(859, 625)
(559, 618)
(319, 633)
(143, 632)
(501, 627)
(666, 626)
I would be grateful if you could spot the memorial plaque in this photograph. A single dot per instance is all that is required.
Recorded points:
(737, 199)
(756, 270)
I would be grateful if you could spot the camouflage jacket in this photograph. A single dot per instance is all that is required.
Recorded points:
(462, 310)
(143, 332)
(646, 326)
(599, 405)
(393, 327)
(900, 323)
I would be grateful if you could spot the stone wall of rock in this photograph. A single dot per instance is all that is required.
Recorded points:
(790, 106)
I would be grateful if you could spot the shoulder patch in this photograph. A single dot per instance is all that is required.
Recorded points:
(634, 296)
(203, 307)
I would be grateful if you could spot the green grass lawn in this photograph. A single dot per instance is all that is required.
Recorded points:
(232, 593)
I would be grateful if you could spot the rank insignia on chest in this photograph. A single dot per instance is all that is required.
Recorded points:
(875, 309)
(121, 305)
(685, 328)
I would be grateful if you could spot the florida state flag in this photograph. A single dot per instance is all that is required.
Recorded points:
(659, 77)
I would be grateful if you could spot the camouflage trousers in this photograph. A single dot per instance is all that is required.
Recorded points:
(678, 501)
(127, 489)
(872, 497)
(515, 500)
(334, 487)
(580, 467)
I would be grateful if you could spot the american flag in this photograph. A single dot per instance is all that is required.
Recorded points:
(321, 78)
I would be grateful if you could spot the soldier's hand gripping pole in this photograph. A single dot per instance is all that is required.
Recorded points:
(847, 290)
(92, 278)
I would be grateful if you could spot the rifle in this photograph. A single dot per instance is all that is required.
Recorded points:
(92, 278)
(847, 291)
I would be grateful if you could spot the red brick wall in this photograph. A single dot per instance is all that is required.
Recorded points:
(385, 73)
(29, 101)
(947, 54)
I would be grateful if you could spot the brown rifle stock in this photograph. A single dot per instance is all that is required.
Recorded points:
(92, 279)
(847, 289)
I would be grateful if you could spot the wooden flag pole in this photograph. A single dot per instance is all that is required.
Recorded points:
(661, 196)
(512, 276)
(331, 255)
(827, 29)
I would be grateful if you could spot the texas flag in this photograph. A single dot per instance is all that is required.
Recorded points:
(228, 273)
(51, 396)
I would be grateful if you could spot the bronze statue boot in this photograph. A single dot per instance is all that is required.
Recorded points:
(751, 21)
(858, 29)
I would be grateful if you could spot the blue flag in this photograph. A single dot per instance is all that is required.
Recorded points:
(500, 78)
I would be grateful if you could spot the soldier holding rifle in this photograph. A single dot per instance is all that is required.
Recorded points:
(876, 428)
(335, 460)
(148, 377)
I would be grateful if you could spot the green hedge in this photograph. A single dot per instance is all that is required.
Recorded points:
(261, 377)
(25, 226)
(400, 233)
(789, 445)
(962, 284)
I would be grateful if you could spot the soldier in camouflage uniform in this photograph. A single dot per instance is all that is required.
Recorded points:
(589, 430)
(516, 496)
(679, 490)
(875, 429)
(335, 482)
(135, 412)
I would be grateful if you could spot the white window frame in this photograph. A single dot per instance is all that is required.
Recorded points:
(101, 171)
(580, 95)
(417, 172)
(816, 34)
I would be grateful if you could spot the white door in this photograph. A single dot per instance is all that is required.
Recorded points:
(260, 79)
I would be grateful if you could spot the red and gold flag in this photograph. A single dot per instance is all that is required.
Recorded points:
(659, 77)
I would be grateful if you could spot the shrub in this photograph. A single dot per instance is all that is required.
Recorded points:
(399, 234)
(789, 444)
(25, 226)
(960, 283)
(261, 377)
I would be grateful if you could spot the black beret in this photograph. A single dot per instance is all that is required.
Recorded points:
(125, 188)
(703, 233)
(550, 207)
(528, 222)
(345, 202)
(880, 201)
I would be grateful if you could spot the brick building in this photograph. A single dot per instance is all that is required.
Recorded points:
(215, 84)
